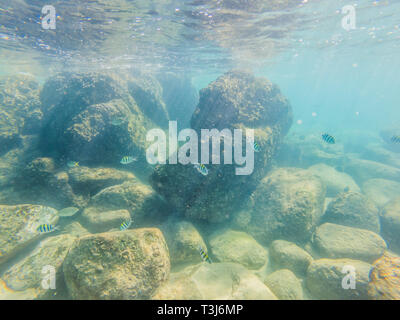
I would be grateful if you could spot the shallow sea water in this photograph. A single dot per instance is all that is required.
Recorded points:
(110, 187)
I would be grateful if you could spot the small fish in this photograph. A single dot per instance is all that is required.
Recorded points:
(117, 121)
(125, 225)
(328, 138)
(46, 228)
(72, 164)
(204, 255)
(346, 189)
(127, 160)
(256, 147)
(201, 168)
(395, 139)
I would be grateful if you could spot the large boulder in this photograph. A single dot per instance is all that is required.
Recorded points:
(285, 285)
(326, 279)
(80, 114)
(381, 191)
(362, 170)
(238, 247)
(216, 281)
(336, 241)
(385, 279)
(334, 180)
(90, 181)
(353, 209)
(117, 265)
(183, 240)
(139, 199)
(51, 185)
(287, 204)
(18, 226)
(20, 110)
(390, 222)
(236, 100)
(101, 221)
(28, 274)
(287, 255)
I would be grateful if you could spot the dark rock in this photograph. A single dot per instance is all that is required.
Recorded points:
(180, 97)
(287, 204)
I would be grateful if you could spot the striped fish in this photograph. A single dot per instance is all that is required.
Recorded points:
(125, 225)
(204, 255)
(256, 147)
(201, 168)
(127, 160)
(395, 139)
(328, 138)
(46, 228)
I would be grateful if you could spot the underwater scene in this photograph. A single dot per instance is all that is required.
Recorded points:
(199, 150)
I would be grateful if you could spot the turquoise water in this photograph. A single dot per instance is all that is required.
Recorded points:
(77, 99)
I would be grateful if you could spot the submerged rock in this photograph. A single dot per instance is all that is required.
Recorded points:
(381, 191)
(287, 204)
(285, 285)
(377, 152)
(18, 226)
(217, 281)
(390, 221)
(305, 150)
(334, 180)
(117, 265)
(51, 186)
(352, 209)
(101, 221)
(261, 106)
(148, 94)
(326, 279)
(86, 180)
(183, 241)
(140, 200)
(387, 134)
(29, 273)
(385, 279)
(238, 247)
(287, 255)
(336, 241)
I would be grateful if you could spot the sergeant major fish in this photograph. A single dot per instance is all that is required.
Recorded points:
(204, 255)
